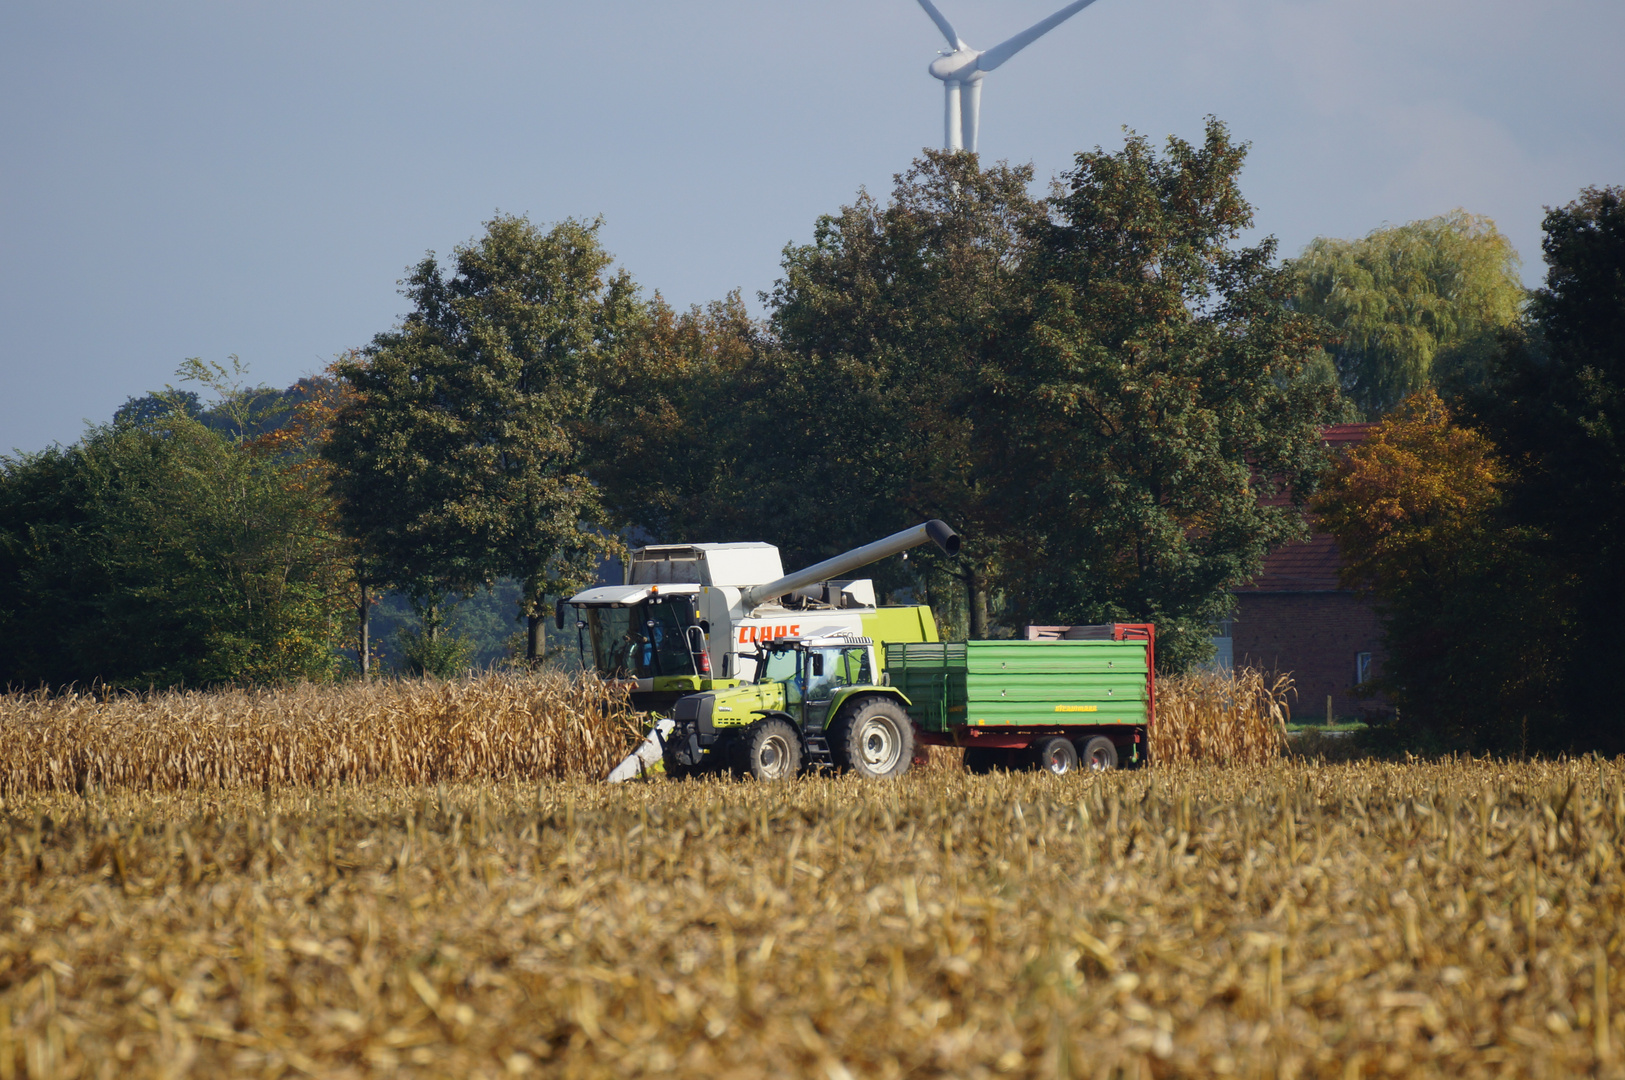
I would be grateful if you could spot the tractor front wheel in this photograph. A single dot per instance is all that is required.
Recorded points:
(770, 751)
(874, 738)
(675, 757)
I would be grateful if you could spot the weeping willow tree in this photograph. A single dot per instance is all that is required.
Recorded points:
(1413, 305)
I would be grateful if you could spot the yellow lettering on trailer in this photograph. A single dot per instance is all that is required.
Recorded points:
(1077, 708)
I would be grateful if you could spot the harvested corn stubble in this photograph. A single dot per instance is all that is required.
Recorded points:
(1449, 919)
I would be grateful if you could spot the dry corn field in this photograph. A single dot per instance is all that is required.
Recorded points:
(494, 727)
(410, 731)
(1291, 919)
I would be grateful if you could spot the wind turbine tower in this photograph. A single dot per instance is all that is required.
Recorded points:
(961, 68)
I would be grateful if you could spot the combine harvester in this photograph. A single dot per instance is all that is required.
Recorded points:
(766, 677)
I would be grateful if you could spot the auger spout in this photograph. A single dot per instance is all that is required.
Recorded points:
(937, 532)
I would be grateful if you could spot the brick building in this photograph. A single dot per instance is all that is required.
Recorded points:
(1296, 616)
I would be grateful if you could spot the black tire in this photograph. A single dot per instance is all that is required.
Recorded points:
(1055, 755)
(770, 751)
(675, 770)
(874, 738)
(982, 760)
(1098, 754)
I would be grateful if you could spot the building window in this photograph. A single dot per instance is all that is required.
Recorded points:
(1362, 667)
(1224, 656)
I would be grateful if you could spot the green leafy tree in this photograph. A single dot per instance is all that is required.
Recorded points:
(456, 453)
(1149, 426)
(1094, 389)
(1556, 411)
(664, 435)
(1413, 305)
(164, 552)
(886, 324)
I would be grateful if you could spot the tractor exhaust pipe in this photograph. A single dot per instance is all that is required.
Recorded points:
(935, 531)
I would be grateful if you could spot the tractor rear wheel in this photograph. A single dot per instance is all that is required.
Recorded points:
(874, 738)
(1055, 755)
(1099, 754)
(771, 750)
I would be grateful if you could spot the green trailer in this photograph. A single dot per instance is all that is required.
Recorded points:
(1052, 704)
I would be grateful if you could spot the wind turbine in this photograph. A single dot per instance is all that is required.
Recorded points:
(961, 69)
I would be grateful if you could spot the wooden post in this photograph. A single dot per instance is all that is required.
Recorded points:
(364, 613)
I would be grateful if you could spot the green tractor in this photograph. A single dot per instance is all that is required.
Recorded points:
(815, 701)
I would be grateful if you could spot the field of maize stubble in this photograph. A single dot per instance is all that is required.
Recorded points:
(426, 880)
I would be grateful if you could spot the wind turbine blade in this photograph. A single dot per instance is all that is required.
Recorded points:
(1003, 51)
(944, 25)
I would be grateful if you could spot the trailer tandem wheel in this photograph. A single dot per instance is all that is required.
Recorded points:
(1056, 754)
(1099, 754)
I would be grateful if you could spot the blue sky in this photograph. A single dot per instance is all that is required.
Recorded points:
(199, 179)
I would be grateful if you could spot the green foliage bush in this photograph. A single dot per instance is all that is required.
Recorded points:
(164, 553)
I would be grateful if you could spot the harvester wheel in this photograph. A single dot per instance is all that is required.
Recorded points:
(982, 760)
(1099, 754)
(770, 751)
(1056, 755)
(874, 738)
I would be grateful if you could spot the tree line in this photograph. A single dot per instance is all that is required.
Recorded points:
(1114, 398)
(1094, 387)
(1487, 519)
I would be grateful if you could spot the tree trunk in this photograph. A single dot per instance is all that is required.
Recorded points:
(535, 639)
(977, 584)
(363, 613)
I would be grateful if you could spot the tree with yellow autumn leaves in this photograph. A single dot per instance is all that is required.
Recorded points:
(1417, 510)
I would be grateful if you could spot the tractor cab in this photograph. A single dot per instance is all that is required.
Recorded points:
(814, 672)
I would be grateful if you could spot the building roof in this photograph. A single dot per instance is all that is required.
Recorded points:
(1308, 567)
(1313, 566)
(1342, 436)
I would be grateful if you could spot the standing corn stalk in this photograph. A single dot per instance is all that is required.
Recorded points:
(1218, 716)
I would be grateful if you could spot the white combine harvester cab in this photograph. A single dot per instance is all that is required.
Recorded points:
(691, 617)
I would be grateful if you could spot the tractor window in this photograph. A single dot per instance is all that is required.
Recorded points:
(842, 667)
(780, 666)
(854, 667)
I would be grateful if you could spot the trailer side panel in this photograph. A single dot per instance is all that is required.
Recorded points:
(1023, 684)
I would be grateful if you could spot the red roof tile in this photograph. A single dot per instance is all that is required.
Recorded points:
(1311, 566)
(1339, 436)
